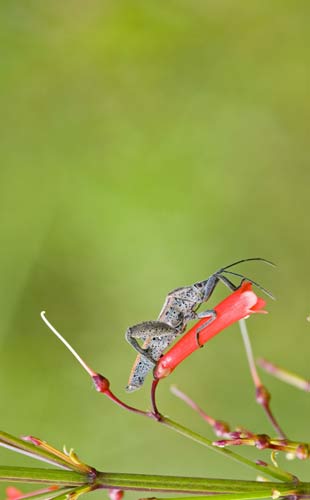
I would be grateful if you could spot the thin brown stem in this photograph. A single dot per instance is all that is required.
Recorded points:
(219, 427)
(262, 394)
(156, 413)
(285, 375)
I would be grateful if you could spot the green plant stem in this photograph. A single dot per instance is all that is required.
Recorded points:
(270, 470)
(38, 475)
(251, 495)
(182, 484)
(143, 482)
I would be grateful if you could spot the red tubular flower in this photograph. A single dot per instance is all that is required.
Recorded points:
(238, 305)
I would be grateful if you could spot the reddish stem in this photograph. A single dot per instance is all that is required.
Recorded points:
(220, 428)
(102, 385)
(156, 413)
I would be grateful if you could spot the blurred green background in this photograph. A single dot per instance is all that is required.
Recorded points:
(144, 145)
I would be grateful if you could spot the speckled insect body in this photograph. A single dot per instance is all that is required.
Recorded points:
(181, 303)
(179, 308)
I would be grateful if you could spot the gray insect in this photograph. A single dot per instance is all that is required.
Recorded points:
(179, 308)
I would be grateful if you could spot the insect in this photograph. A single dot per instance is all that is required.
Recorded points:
(179, 308)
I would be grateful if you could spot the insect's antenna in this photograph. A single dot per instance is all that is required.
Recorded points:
(251, 281)
(246, 260)
(68, 346)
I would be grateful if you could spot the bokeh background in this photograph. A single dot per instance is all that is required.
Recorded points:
(144, 145)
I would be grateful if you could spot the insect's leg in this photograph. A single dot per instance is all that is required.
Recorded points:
(131, 335)
(160, 337)
(245, 278)
(209, 286)
(209, 313)
(228, 283)
(152, 332)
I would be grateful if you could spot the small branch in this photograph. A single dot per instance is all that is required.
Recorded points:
(285, 375)
(270, 470)
(239, 437)
(262, 394)
(263, 441)
(219, 427)
(155, 411)
(28, 448)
